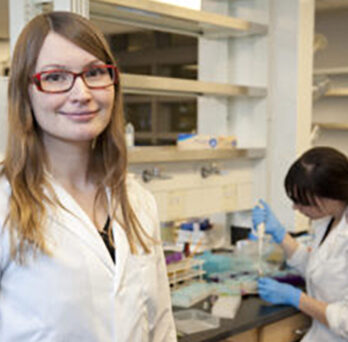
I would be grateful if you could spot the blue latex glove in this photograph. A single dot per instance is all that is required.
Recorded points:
(275, 292)
(272, 225)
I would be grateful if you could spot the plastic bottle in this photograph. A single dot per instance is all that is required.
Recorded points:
(129, 135)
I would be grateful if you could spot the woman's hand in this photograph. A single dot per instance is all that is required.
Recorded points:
(275, 292)
(263, 214)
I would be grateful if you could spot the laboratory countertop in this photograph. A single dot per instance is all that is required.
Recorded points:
(253, 313)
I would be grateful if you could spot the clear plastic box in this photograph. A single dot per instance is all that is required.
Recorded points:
(193, 321)
(189, 295)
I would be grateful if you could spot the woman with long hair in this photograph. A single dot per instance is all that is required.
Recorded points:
(80, 253)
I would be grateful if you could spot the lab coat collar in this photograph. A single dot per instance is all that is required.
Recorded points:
(322, 253)
(122, 253)
(78, 223)
(121, 242)
(342, 226)
(319, 228)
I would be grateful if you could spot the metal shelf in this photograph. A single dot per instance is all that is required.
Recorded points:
(170, 18)
(167, 154)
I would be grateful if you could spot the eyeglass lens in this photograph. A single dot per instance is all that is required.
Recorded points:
(62, 80)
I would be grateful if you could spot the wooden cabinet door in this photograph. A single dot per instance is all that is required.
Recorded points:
(284, 330)
(248, 336)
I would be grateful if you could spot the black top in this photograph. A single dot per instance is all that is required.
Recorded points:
(105, 237)
(329, 226)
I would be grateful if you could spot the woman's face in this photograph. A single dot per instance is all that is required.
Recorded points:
(325, 207)
(78, 115)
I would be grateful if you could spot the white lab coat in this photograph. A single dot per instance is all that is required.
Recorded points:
(325, 269)
(78, 294)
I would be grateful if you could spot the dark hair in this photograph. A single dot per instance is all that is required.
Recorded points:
(321, 172)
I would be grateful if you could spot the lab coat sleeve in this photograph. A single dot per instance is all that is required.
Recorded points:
(4, 232)
(4, 243)
(299, 259)
(337, 317)
(2, 252)
(337, 314)
(163, 329)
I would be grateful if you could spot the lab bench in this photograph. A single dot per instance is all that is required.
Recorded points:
(256, 321)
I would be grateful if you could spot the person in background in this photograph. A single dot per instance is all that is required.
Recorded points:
(80, 252)
(317, 184)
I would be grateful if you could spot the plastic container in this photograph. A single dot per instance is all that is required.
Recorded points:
(214, 263)
(194, 321)
(228, 288)
(185, 270)
(173, 257)
(129, 135)
(191, 294)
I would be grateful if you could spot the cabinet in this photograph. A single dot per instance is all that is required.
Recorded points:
(239, 61)
(182, 192)
(189, 195)
(286, 330)
(158, 101)
(248, 336)
(329, 112)
(152, 91)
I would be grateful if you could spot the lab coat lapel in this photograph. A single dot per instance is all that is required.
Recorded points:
(121, 242)
(318, 253)
(78, 223)
(323, 252)
(122, 253)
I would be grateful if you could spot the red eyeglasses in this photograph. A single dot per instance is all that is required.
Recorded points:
(60, 80)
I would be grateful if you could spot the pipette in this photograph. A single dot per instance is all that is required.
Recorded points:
(260, 235)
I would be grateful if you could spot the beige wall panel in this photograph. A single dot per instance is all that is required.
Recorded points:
(244, 196)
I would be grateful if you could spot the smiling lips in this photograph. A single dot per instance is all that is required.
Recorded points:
(81, 116)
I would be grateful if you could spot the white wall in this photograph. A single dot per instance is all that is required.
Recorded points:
(290, 86)
(240, 61)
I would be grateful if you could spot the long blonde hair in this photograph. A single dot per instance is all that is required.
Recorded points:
(25, 159)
